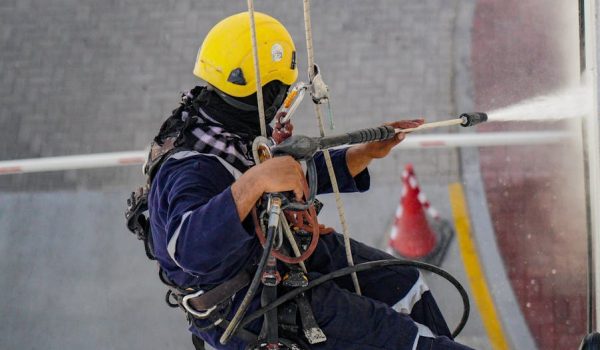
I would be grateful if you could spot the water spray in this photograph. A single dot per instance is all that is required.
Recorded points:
(570, 103)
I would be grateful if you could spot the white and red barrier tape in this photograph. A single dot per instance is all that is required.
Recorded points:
(85, 161)
(100, 160)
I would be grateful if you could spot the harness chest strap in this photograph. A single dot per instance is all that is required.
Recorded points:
(157, 155)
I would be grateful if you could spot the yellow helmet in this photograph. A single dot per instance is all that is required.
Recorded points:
(225, 59)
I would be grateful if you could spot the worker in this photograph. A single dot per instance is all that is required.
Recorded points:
(203, 190)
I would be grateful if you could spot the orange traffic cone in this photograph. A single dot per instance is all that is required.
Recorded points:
(418, 232)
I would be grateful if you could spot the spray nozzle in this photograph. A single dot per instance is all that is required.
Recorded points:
(473, 118)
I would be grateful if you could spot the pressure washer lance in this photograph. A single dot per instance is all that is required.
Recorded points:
(304, 147)
(465, 119)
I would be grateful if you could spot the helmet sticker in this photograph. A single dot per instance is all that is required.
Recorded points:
(276, 52)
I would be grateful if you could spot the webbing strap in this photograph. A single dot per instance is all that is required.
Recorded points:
(221, 293)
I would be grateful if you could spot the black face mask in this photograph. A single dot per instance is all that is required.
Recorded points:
(240, 115)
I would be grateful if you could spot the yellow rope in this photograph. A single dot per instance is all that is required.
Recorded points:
(327, 156)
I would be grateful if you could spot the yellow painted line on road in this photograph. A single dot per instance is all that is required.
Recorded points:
(479, 287)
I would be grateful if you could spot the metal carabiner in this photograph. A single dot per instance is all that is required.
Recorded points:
(293, 100)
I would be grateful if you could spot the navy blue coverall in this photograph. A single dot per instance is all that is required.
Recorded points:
(199, 240)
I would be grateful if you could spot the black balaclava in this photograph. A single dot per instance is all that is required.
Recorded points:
(243, 122)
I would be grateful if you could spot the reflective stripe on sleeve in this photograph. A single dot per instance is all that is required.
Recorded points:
(172, 245)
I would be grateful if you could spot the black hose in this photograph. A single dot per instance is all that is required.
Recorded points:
(367, 266)
(311, 169)
(256, 280)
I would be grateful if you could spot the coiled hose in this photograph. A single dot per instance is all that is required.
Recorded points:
(364, 267)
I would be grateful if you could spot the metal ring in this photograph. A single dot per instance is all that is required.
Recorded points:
(168, 299)
(261, 144)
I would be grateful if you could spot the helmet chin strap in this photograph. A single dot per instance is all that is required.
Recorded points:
(269, 111)
(234, 102)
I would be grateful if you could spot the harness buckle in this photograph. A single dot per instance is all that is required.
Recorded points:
(198, 314)
(313, 333)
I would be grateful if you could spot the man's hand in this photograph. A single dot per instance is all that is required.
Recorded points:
(381, 149)
(279, 174)
(359, 156)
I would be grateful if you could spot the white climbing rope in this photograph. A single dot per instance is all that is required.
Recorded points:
(327, 156)
(259, 95)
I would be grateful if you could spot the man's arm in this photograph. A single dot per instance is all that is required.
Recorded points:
(197, 208)
(358, 157)
(283, 174)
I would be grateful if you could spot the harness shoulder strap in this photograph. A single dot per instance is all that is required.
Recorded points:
(185, 154)
(157, 155)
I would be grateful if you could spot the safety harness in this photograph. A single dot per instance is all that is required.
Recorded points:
(199, 304)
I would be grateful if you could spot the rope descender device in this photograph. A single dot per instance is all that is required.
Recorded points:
(304, 230)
